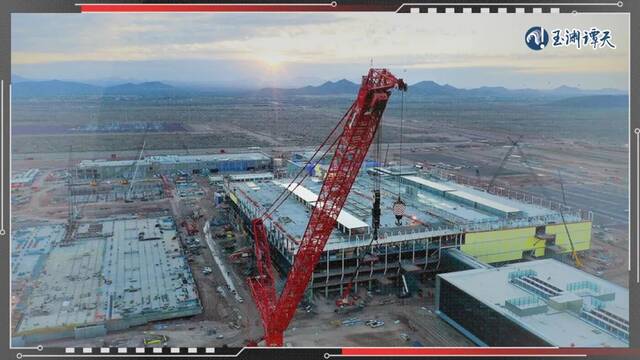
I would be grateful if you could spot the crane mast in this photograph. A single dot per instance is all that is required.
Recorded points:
(360, 125)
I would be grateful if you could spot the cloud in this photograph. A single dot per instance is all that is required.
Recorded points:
(340, 40)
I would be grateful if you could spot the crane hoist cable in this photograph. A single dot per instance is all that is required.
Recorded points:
(399, 205)
(401, 138)
(282, 197)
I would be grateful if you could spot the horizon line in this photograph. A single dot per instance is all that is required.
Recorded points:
(183, 83)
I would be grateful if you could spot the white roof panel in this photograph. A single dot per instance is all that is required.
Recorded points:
(300, 191)
(239, 177)
(428, 183)
(351, 222)
(345, 219)
(486, 202)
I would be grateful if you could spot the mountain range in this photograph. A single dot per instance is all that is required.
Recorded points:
(49, 88)
(431, 88)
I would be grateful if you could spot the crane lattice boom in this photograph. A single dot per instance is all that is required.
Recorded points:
(360, 126)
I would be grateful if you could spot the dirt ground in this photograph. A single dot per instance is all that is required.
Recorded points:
(594, 177)
(414, 317)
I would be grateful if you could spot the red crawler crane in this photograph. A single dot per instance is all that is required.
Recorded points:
(360, 124)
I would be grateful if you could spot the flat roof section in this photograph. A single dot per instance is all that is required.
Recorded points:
(428, 183)
(206, 157)
(128, 270)
(30, 246)
(506, 209)
(494, 287)
(176, 159)
(345, 219)
(300, 191)
(24, 176)
(251, 176)
(456, 193)
(351, 222)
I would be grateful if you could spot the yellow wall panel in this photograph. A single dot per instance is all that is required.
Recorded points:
(508, 245)
(580, 235)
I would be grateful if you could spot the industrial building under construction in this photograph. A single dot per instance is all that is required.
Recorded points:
(440, 214)
(171, 164)
(113, 274)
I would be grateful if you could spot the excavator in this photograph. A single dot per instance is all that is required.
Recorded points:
(356, 131)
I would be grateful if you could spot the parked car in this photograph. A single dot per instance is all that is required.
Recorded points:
(374, 323)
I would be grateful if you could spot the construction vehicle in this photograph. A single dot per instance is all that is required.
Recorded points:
(374, 323)
(359, 127)
(190, 227)
(240, 254)
(155, 339)
(348, 299)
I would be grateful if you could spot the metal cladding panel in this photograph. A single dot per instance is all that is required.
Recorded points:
(502, 245)
(580, 235)
(508, 245)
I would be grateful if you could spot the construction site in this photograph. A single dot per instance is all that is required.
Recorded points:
(439, 215)
(292, 247)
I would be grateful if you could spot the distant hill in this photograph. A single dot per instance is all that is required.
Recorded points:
(434, 89)
(15, 78)
(592, 101)
(339, 87)
(152, 88)
(51, 88)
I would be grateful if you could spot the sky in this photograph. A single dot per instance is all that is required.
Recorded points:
(288, 50)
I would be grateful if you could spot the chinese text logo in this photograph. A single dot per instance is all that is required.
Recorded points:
(537, 38)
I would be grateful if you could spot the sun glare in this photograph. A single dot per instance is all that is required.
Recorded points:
(273, 61)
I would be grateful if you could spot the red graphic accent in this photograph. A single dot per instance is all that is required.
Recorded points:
(107, 8)
(489, 351)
